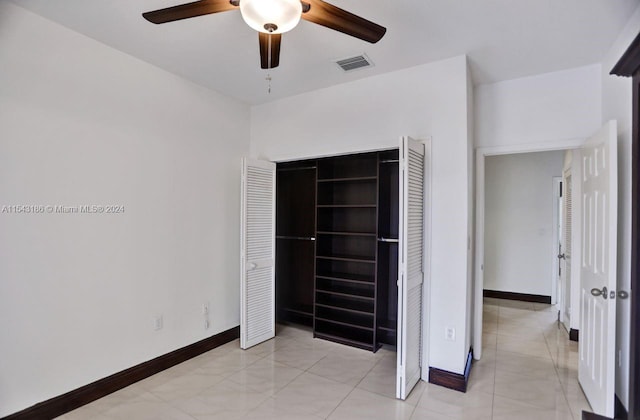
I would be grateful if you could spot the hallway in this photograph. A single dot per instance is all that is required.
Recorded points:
(528, 362)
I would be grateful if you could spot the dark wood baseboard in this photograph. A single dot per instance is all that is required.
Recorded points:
(620, 413)
(593, 416)
(574, 335)
(64, 403)
(619, 410)
(452, 380)
(516, 296)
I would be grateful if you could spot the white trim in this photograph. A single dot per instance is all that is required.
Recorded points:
(557, 181)
(426, 283)
(481, 153)
(531, 147)
(356, 151)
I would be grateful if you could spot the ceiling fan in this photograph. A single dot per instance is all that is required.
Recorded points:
(271, 18)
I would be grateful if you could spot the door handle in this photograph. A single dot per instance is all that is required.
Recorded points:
(622, 294)
(253, 266)
(597, 292)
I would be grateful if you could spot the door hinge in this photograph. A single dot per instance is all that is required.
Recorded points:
(560, 189)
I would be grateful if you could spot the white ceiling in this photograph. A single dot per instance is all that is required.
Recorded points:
(504, 39)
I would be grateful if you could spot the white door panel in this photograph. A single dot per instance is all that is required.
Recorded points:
(257, 253)
(598, 270)
(410, 266)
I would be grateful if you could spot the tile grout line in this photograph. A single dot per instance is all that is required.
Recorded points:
(352, 389)
(555, 366)
(495, 367)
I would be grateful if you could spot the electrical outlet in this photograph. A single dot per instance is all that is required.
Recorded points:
(205, 308)
(450, 334)
(157, 322)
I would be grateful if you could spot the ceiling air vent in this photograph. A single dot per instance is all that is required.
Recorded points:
(353, 63)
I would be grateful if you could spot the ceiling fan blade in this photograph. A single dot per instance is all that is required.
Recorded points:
(189, 10)
(333, 17)
(269, 50)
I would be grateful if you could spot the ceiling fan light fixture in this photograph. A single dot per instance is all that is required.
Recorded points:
(271, 16)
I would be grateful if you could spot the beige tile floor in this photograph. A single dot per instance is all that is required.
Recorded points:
(528, 371)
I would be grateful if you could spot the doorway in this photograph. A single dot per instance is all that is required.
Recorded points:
(479, 274)
(597, 223)
(521, 224)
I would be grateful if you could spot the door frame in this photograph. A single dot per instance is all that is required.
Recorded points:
(557, 200)
(481, 154)
(629, 66)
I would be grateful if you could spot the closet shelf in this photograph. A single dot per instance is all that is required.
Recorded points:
(297, 238)
(346, 324)
(353, 258)
(366, 345)
(341, 308)
(347, 292)
(349, 278)
(349, 179)
(346, 206)
(333, 232)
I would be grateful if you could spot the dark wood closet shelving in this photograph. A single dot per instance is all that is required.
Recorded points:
(351, 179)
(343, 282)
(354, 258)
(347, 206)
(347, 197)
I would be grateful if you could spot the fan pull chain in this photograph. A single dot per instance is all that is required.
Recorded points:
(268, 79)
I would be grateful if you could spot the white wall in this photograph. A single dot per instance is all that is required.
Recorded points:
(545, 108)
(616, 104)
(519, 200)
(81, 123)
(372, 113)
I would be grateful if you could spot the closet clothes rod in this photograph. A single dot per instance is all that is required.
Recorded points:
(390, 161)
(298, 238)
(301, 168)
(388, 240)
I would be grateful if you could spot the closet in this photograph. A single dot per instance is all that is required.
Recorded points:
(336, 266)
(338, 244)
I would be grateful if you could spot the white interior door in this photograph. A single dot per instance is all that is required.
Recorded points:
(565, 261)
(410, 265)
(598, 272)
(257, 253)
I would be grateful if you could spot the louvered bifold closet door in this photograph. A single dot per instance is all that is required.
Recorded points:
(568, 211)
(257, 253)
(410, 267)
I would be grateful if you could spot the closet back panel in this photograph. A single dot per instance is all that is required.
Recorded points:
(295, 203)
(351, 166)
